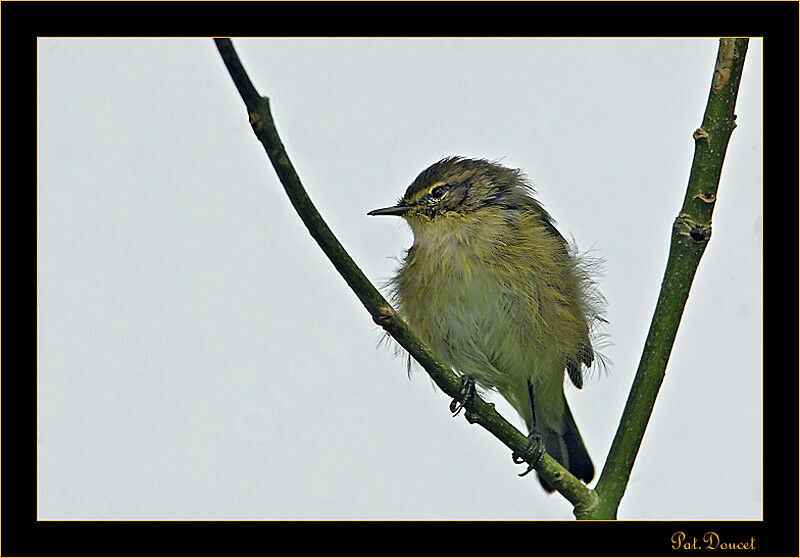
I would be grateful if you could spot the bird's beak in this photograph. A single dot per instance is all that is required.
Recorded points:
(398, 209)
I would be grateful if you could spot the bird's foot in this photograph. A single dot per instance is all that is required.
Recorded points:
(466, 393)
(532, 455)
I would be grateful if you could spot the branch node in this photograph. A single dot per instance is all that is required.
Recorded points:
(471, 417)
(700, 134)
(384, 317)
(685, 226)
(707, 197)
(698, 234)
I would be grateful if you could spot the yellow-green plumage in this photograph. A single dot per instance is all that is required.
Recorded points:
(494, 290)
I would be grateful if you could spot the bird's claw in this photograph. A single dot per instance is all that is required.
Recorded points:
(466, 393)
(532, 455)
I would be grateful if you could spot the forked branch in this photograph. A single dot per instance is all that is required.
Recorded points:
(690, 235)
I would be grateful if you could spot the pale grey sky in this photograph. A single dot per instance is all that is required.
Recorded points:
(199, 357)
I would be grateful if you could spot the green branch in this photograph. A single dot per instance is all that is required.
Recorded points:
(477, 410)
(690, 235)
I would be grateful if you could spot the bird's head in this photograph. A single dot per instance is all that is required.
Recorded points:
(460, 188)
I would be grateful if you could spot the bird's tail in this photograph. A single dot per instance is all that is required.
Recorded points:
(568, 449)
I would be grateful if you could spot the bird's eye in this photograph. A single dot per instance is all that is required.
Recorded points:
(439, 191)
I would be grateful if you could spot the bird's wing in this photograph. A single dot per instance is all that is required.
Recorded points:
(585, 353)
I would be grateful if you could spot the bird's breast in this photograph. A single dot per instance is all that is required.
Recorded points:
(455, 299)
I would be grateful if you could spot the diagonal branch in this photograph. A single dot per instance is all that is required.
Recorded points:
(477, 410)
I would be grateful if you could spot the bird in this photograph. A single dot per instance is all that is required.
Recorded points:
(497, 293)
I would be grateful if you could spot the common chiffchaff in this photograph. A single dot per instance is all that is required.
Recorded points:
(497, 293)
